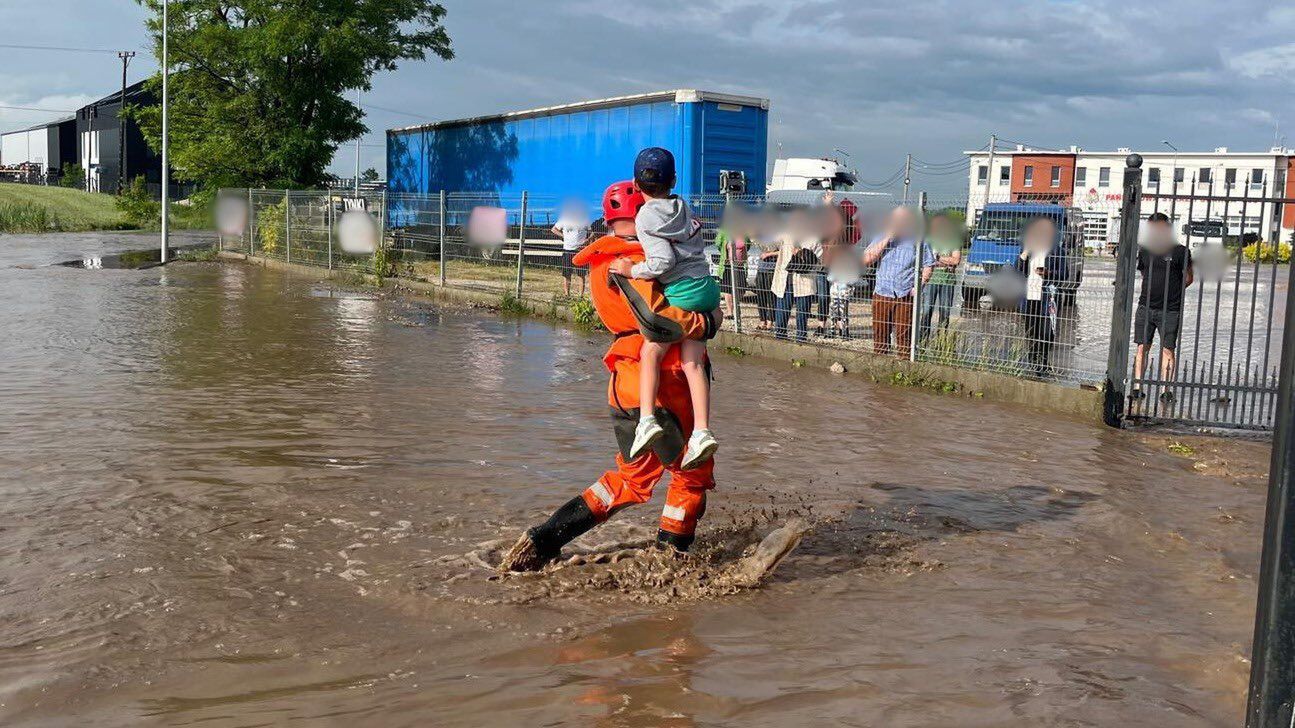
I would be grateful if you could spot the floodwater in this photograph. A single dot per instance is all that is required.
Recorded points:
(233, 497)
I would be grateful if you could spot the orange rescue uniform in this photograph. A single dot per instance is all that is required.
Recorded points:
(629, 307)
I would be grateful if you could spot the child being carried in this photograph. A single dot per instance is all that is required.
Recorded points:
(674, 254)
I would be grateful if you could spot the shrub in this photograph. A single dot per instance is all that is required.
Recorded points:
(269, 227)
(73, 176)
(584, 314)
(137, 206)
(1267, 252)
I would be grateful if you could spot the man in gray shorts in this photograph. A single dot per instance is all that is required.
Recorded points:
(1166, 268)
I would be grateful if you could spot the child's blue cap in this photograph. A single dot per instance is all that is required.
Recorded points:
(654, 167)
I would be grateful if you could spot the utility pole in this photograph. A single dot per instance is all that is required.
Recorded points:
(360, 96)
(166, 174)
(989, 172)
(908, 174)
(125, 57)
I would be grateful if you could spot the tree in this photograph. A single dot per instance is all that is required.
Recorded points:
(258, 87)
(369, 175)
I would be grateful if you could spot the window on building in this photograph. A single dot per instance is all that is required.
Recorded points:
(1104, 177)
(1206, 176)
(1153, 177)
(1081, 176)
(1005, 174)
(1230, 176)
(1056, 176)
(1179, 175)
(1029, 176)
(1256, 179)
(982, 174)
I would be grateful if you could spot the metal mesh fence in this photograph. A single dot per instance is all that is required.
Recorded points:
(1018, 286)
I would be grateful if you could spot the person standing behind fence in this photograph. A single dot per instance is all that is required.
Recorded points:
(946, 243)
(732, 250)
(794, 274)
(573, 227)
(1166, 268)
(895, 255)
(1043, 268)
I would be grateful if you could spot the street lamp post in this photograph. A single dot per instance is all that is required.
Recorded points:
(166, 176)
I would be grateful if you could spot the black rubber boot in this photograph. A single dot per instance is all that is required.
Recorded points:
(676, 541)
(566, 524)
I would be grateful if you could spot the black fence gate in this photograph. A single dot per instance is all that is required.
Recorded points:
(1203, 314)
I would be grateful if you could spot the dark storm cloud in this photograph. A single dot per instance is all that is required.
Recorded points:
(875, 79)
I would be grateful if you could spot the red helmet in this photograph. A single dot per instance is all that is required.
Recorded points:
(622, 201)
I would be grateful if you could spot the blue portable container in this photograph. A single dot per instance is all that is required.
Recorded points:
(576, 150)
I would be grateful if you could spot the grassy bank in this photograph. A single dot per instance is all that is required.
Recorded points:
(36, 209)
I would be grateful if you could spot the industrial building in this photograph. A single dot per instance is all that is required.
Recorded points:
(37, 151)
(1092, 182)
(92, 138)
(576, 150)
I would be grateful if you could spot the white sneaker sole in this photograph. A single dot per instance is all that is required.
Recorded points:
(699, 457)
(642, 447)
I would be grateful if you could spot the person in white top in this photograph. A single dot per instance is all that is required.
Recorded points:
(573, 227)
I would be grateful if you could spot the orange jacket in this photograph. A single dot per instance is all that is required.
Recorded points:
(616, 300)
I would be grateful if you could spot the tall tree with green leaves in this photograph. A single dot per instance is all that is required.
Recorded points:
(259, 88)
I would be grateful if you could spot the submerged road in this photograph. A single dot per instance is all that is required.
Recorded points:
(234, 497)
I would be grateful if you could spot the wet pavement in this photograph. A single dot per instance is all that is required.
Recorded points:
(236, 497)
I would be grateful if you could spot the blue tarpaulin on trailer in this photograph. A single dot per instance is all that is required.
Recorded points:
(576, 150)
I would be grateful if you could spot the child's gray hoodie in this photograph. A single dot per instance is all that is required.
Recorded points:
(672, 241)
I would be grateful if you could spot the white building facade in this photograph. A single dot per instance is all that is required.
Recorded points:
(1208, 195)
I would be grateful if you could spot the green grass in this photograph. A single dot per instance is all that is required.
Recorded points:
(37, 209)
(32, 208)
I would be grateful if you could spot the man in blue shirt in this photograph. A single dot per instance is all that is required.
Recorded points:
(895, 255)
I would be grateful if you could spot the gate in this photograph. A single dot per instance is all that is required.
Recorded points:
(1221, 295)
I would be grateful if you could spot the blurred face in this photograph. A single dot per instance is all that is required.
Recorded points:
(1039, 236)
(902, 222)
(941, 229)
(1159, 237)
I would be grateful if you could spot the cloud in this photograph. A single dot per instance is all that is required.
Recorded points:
(877, 79)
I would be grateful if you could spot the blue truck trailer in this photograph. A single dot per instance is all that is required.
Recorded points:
(576, 150)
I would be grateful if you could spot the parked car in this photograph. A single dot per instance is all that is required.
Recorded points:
(996, 241)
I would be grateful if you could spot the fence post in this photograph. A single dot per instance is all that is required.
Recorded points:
(328, 212)
(287, 225)
(521, 244)
(382, 222)
(251, 222)
(731, 242)
(442, 231)
(915, 333)
(1117, 357)
(1272, 663)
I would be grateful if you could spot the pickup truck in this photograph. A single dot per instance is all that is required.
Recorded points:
(996, 241)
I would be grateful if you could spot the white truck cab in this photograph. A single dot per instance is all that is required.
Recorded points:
(801, 173)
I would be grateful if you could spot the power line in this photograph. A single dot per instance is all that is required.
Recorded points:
(32, 108)
(57, 48)
(394, 111)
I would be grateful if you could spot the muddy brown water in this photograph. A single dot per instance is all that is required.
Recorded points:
(233, 497)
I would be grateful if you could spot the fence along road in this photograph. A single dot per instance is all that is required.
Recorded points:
(1232, 321)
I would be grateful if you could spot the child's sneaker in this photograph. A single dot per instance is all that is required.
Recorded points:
(645, 435)
(701, 446)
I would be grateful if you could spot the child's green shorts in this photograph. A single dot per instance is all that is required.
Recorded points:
(698, 295)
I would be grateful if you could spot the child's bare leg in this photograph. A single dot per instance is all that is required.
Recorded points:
(693, 355)
(648, 430)
(650, 357)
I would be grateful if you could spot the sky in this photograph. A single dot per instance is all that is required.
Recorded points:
(875, 80)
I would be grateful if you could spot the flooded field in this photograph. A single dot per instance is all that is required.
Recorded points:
(239, 498)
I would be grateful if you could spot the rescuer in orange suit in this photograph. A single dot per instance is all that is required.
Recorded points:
(632, 309)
